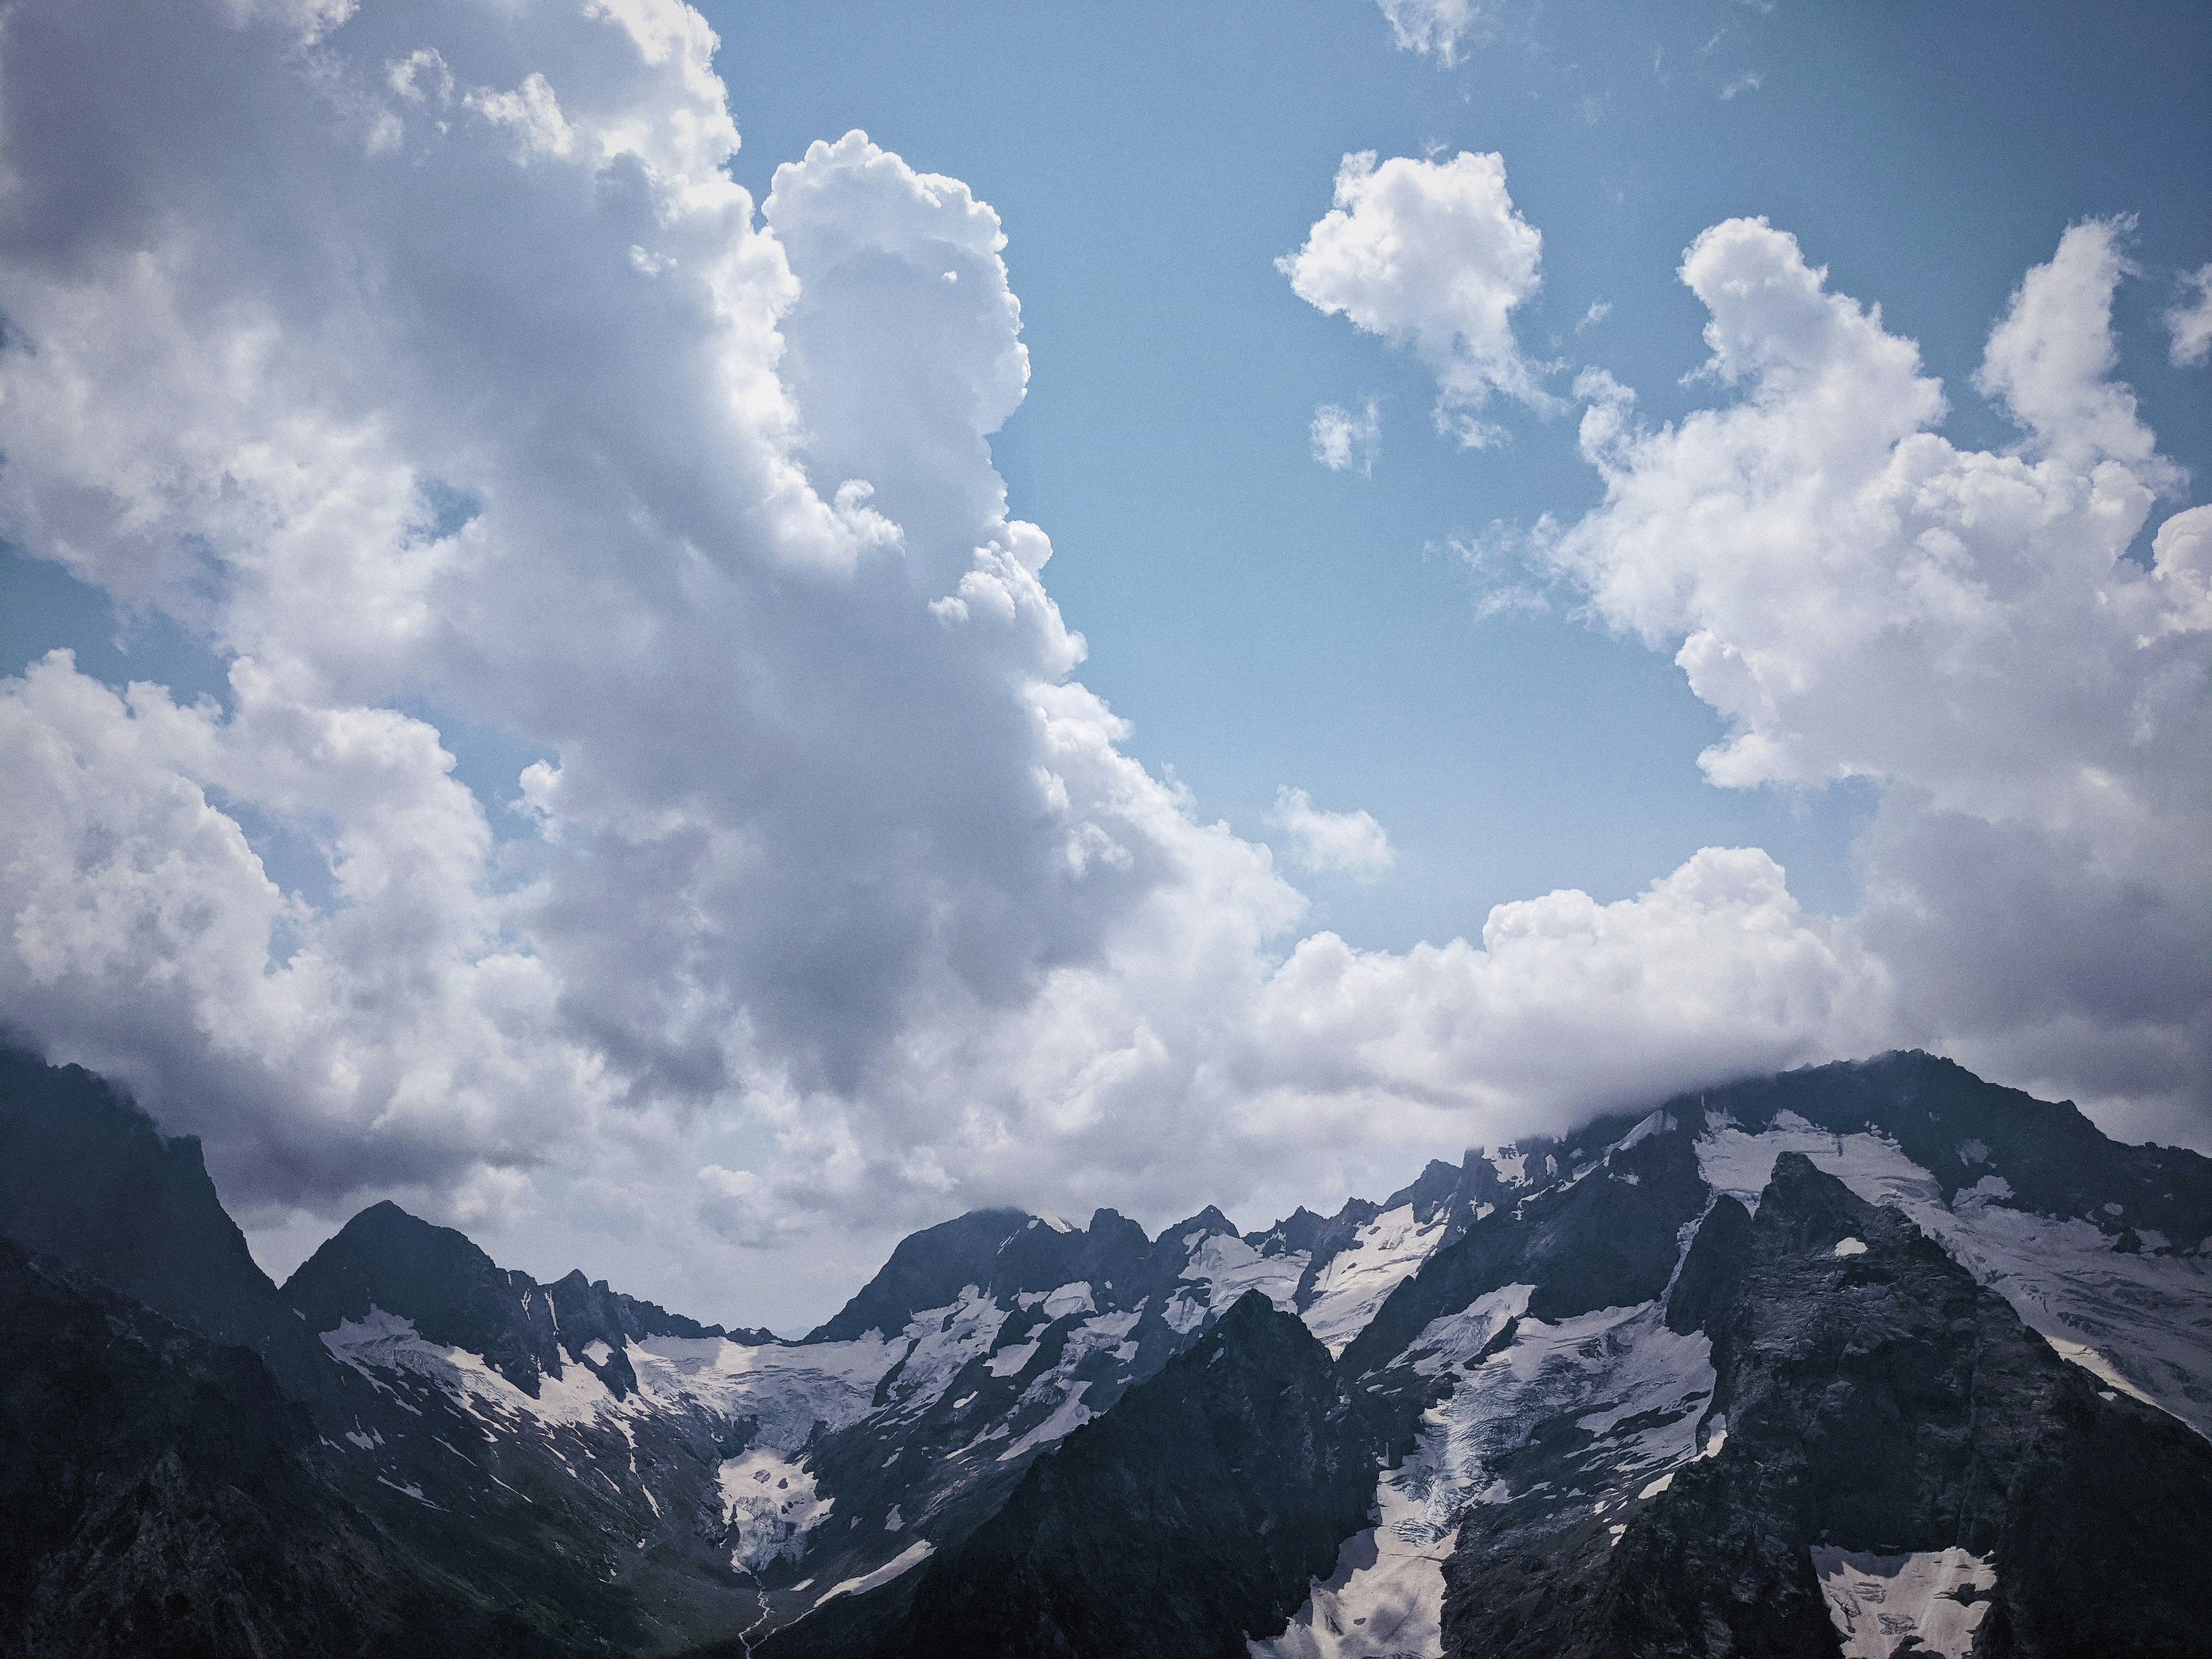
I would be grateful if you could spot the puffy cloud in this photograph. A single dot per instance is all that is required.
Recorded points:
(1567, 1003)
(2190, 319)
(1440, 26)
(440, 377)
(1346, 843)
(520, 415)
(1430, 255)
(1341, 439)
(1859, 598)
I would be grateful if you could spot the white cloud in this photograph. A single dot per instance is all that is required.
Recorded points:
(1565, 1002)
(1599, 311)
(1858, 597)
(1441, 27)
(838, 905)
(1337, 843)
(1430, 255)
(1341, 439)
(2190, 319)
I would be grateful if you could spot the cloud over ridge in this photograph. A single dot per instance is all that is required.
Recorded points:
(1860, 599)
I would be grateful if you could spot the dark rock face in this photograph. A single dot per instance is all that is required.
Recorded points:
(87, 1178)
(1876, 1400)
(1192, 1514)
(159, 1497)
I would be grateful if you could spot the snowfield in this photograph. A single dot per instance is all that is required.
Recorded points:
(1382, 1255)
(1930, 1603)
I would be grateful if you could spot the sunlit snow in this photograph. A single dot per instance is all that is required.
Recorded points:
(1930, 1603)
(912, 1556)
(1382, 1254)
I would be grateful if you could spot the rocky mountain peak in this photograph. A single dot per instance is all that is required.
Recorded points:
(86, 1176)
(928, 1269)
(453, 1293)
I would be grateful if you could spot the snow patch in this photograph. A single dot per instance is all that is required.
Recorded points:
(386, 1342)
(1068, 1416)
(2082, 1354)
(1009, 1360)
(1658, 1123)
(912, 1556)
(1183, 1313)
(1851, 1247)
(1382, 1255)
(1456, 1338)
(1070, 1298)
(942, 1340)
(1932, 1602)
(1229, 1266)
(787, 1389)
(1386, 1598)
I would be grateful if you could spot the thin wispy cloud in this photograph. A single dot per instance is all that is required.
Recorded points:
(1342, 440)
(2190, 321)
(1331, 843)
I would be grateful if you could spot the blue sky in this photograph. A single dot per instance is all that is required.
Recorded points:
(1265, 621)
(572, 726)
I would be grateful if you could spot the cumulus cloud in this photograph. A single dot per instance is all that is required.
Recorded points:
(1430, 255)
(1340, 843)
(2189, 320)
(1438, 27)
(440, 379)
(819, 782)
(1859, 598)
(1342, 440)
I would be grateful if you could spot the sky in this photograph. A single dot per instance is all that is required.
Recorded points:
(695, 638)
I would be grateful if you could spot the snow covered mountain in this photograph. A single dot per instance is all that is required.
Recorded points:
(1841, 1361)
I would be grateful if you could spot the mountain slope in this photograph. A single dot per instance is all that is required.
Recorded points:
(1538, 1424)
(1887, 1419)
(385, 1260)
(1194, 1512)
(159, 1496)
(1619, 1391)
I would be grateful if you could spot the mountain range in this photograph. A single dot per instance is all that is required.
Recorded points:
(1864, 1360)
